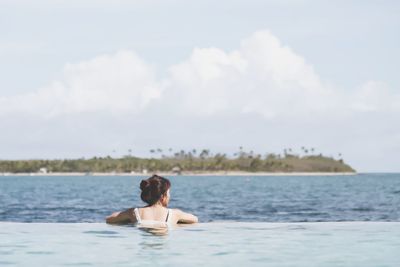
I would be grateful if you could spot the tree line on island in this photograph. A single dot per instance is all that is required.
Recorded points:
(194, 161)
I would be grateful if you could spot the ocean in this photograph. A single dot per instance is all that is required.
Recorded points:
(65, 199)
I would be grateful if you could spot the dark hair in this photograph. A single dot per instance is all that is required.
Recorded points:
(154, 188)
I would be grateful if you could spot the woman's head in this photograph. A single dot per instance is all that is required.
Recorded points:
(155, 189)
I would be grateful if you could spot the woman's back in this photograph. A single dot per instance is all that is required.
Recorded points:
(155, 192)
(154, 216)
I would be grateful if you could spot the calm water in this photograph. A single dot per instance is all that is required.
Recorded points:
(364, 197)
(340, 244)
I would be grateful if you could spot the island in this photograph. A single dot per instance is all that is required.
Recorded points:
(185, 162)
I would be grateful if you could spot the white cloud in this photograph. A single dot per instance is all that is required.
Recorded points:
(263, 76)
(114, 83)
(263, 88)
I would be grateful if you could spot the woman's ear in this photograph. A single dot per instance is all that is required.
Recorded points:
(164, 199)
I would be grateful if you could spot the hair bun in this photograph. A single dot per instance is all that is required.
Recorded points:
(154, 188)
(144, 184)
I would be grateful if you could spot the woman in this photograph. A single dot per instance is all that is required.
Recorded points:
(156, 193)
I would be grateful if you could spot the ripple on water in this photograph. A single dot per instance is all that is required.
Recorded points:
(195, 230)
(363, 209)
(111, 236)
(105, 234)
(78, 264)
(6, 252)
(40, 252)
(7, 262)
(13, 246)
(101, 232)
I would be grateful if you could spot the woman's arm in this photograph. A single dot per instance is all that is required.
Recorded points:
(184, 217)
(127, 216)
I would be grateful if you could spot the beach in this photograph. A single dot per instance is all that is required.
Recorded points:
(228, 173)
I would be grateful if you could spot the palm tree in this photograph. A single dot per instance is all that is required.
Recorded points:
(241, 153)
(204, 153)
(250, 155)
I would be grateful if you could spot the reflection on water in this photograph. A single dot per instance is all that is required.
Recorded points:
(106, 234)
(101, 232)
(152, 243)
(153, 238)
(158, 231)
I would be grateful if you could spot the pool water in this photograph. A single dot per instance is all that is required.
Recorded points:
(211, 244)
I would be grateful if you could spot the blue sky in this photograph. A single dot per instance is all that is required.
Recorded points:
(262, 74)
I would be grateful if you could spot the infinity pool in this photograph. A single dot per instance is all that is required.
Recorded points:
(206, 244)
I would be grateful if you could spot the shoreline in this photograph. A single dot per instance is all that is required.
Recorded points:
(227, 173)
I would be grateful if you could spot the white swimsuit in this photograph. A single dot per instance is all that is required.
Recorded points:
(153, 223)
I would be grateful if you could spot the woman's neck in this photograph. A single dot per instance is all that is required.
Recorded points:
(157, 205)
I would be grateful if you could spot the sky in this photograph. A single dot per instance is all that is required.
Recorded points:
(96, 78)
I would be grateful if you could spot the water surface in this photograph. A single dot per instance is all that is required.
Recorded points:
(363, 197)
(367, 244)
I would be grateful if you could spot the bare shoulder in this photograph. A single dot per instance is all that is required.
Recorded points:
(126, 216)
(184, 217)
(176, 211)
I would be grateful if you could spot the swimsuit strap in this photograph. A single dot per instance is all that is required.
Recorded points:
(139, 220)
(137, 214)
(166, 219)
(169, 215)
